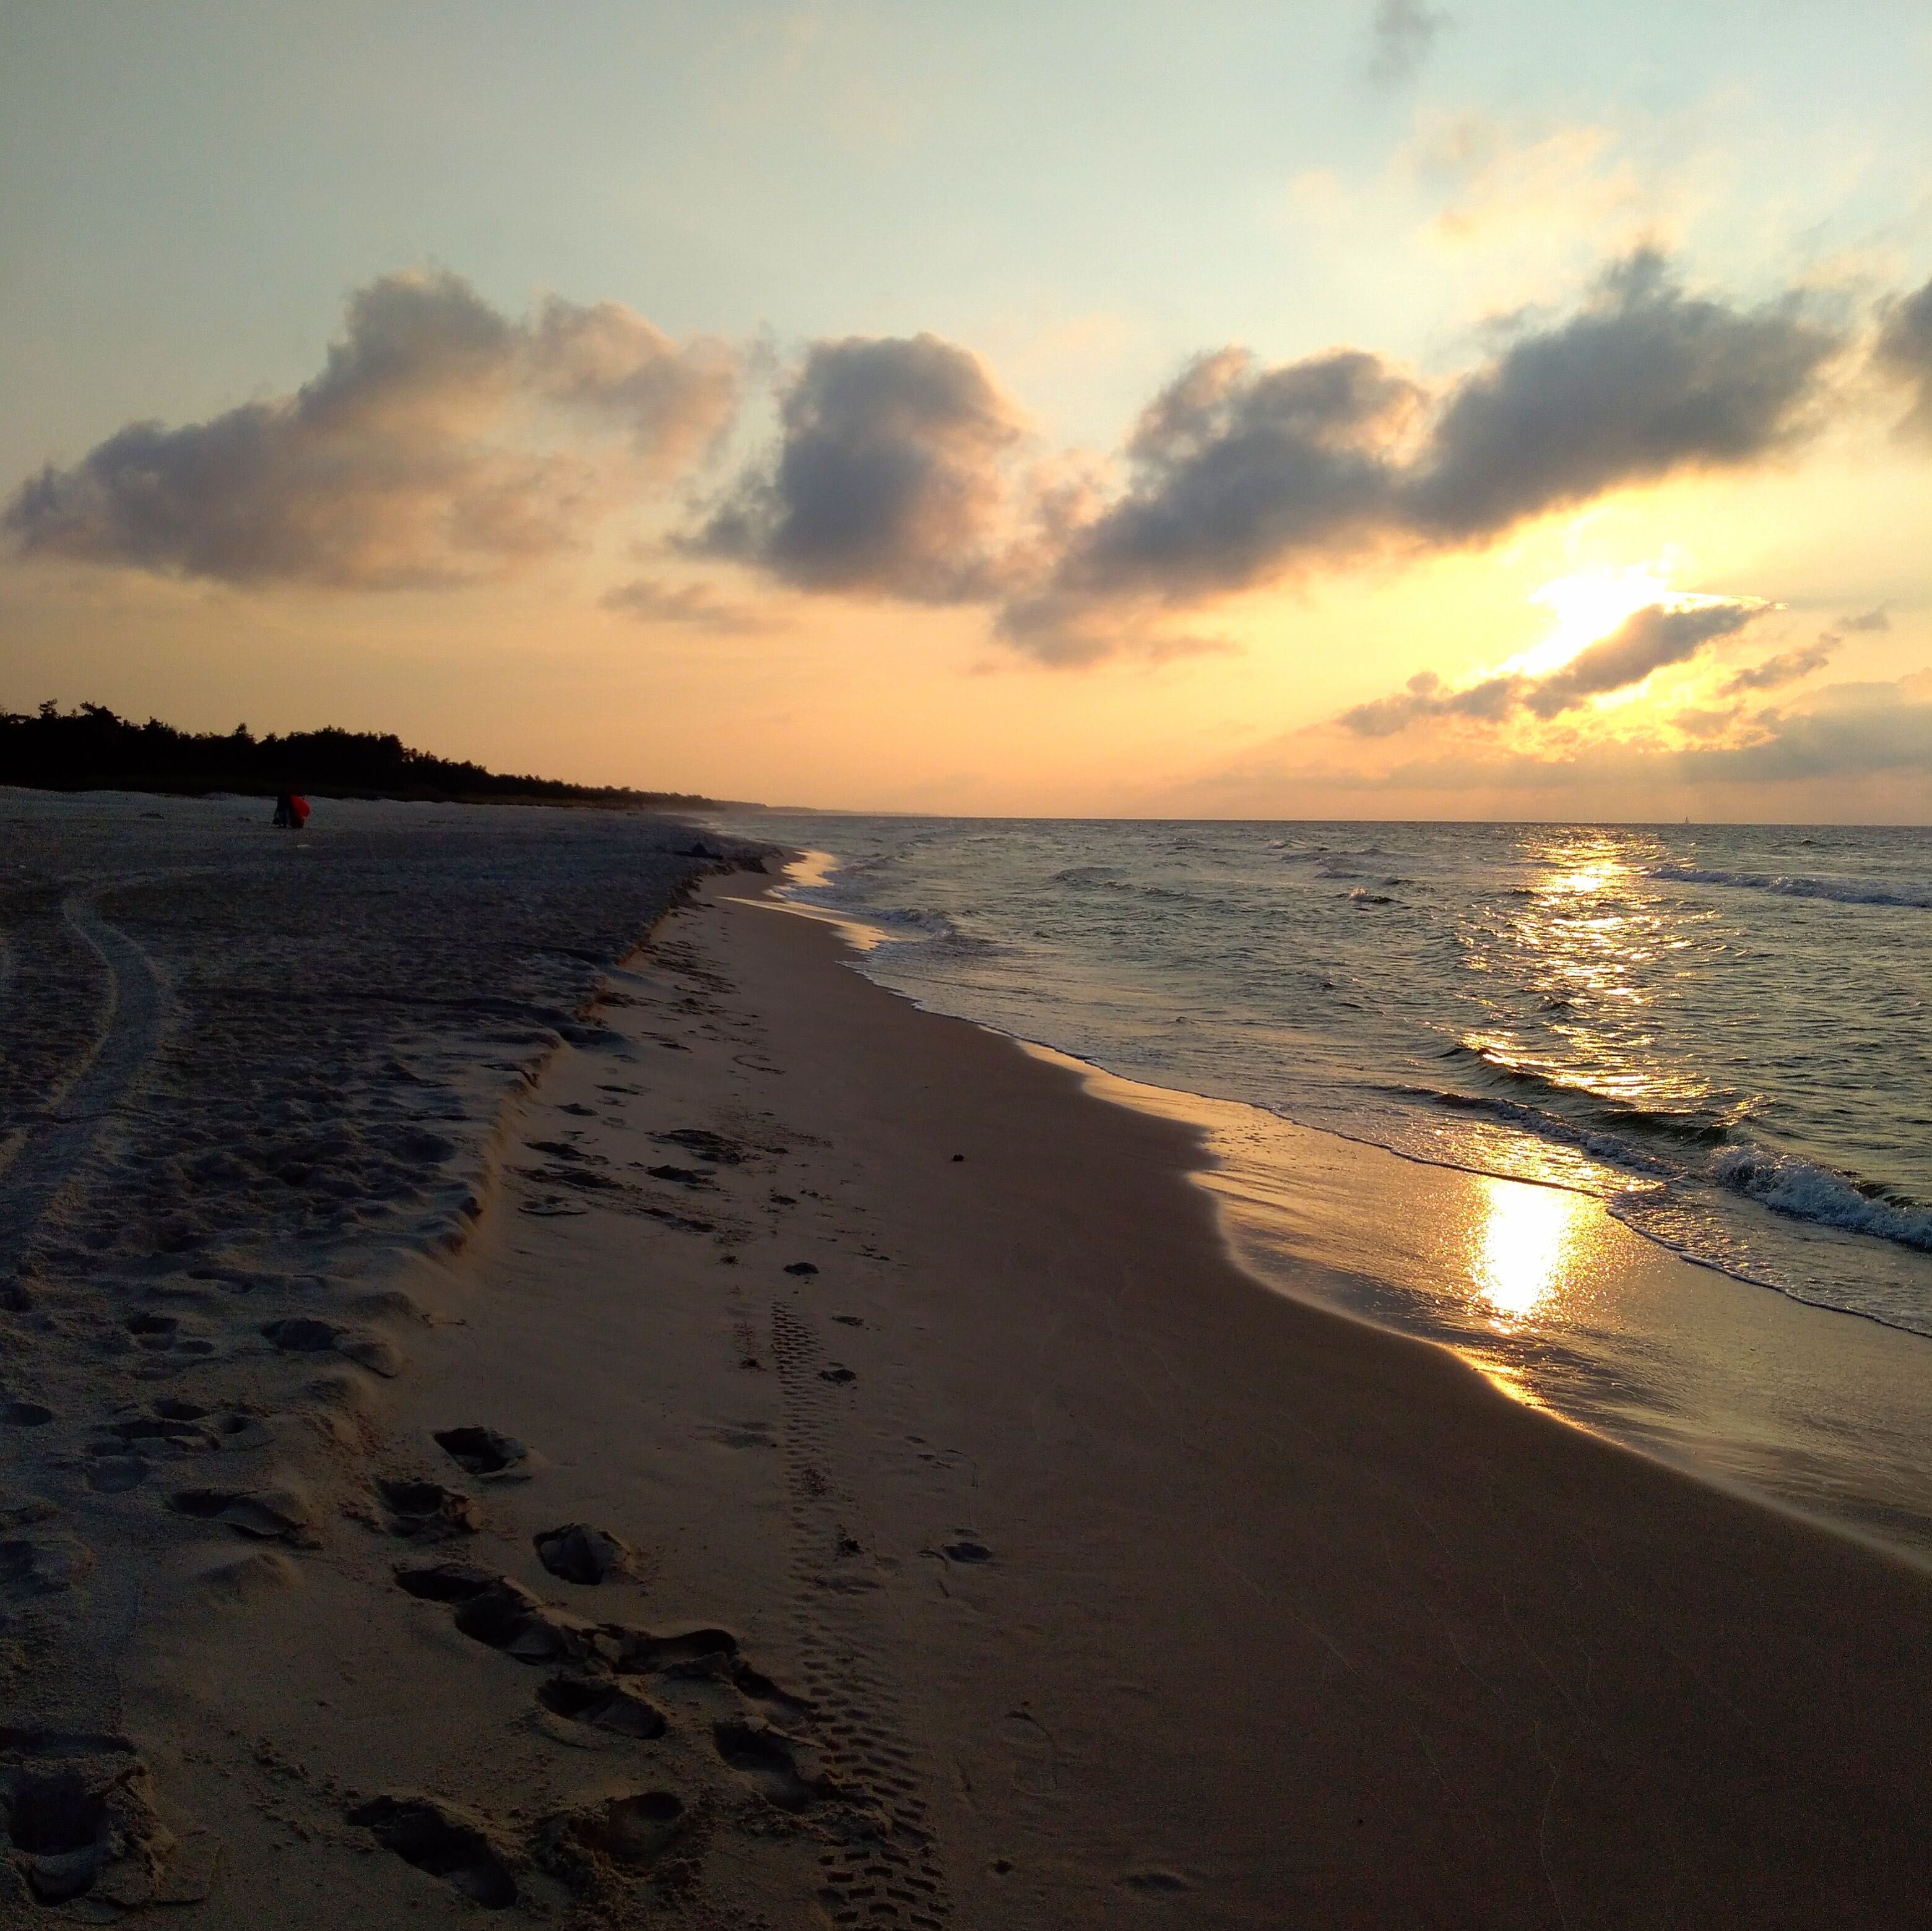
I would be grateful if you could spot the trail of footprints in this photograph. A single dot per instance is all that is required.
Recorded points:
(830, 1759)
(862, 1784)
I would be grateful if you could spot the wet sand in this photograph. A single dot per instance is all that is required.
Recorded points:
(1564, 1308)
(994, 1551)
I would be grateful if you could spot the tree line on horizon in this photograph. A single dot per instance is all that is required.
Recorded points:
(91, 749)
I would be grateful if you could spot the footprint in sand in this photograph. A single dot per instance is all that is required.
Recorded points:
(42, 1565)
(1154, 1883)
(577, 1553)
(427, 1511)
(303, 1334)
(605, 1706)
(267, 1514)
(485, 1453)
(682, 1177)
(774, 1763)
(802, 1268)
(706, 1144)
(444, 1841)
(634, 1830)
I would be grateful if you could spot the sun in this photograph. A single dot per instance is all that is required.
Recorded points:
(1589, 606)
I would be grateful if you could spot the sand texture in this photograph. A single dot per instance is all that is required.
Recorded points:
(844, 1479)
(246, 1079)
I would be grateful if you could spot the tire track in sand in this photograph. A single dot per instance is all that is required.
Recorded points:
(58, 1145)
(893, 1876)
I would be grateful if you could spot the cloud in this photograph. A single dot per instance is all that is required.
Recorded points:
(1877, 730)
(1648, 641)
(407, 461)
(1238, 468)
(1905, 351)
(887, 481)
(1240, 474)
(1853, 749)
(1402, 33)
(1786, 668)
(1879, 620)
(1652, 638)
(696, 605)
(1646, 381)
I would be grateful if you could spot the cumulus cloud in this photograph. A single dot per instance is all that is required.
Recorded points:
(1878, 619)
(1402, 33)
(1646, 381)
(1240, 474)
(1905, 351)
(696, 606)
(1787, 668)
(1651, 639)
(887, 478)
(408, 460)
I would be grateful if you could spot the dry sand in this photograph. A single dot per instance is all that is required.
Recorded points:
(980, 1546)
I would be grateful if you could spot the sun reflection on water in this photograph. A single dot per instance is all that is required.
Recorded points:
(1526, 1243)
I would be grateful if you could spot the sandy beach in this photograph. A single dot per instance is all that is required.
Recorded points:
(844, 1478)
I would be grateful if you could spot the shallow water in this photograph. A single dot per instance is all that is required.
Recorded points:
(1719, 1033)
(1722, 1032)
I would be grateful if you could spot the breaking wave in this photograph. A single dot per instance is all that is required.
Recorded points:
(1840, 891)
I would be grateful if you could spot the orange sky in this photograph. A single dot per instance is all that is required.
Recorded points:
(990, 517)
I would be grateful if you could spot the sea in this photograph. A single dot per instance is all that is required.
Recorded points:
(1720, 1033)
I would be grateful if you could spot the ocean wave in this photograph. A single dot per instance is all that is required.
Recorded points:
(1693, 1124)
(1805, 1191)
(1839, 891)
(1609, 1147)
(1362, 896)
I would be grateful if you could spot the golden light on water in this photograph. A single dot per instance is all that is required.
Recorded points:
(1525, 1246)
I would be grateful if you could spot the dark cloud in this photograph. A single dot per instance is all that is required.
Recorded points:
(1240, 474)
(1787, 668)
(1905, 351)
(887, 478)
(401, 463)
(697, 606)
(1402, 33)
(1426, 696)
(1236, 466)
(1879, 620)
(1645, 381)
(1649, 640)
(1654, 637)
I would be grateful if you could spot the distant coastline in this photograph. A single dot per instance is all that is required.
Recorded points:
(91, 749)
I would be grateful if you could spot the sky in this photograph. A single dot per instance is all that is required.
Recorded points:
(1375, 408)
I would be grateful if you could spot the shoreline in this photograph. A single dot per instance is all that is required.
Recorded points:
(1067, 1572)
(1604, 1323)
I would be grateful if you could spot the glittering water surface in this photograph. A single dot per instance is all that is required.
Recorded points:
(1720, 1031)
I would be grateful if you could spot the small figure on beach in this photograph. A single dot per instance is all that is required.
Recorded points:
(291, 811)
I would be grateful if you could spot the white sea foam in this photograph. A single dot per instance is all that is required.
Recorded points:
(1807, 1191)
